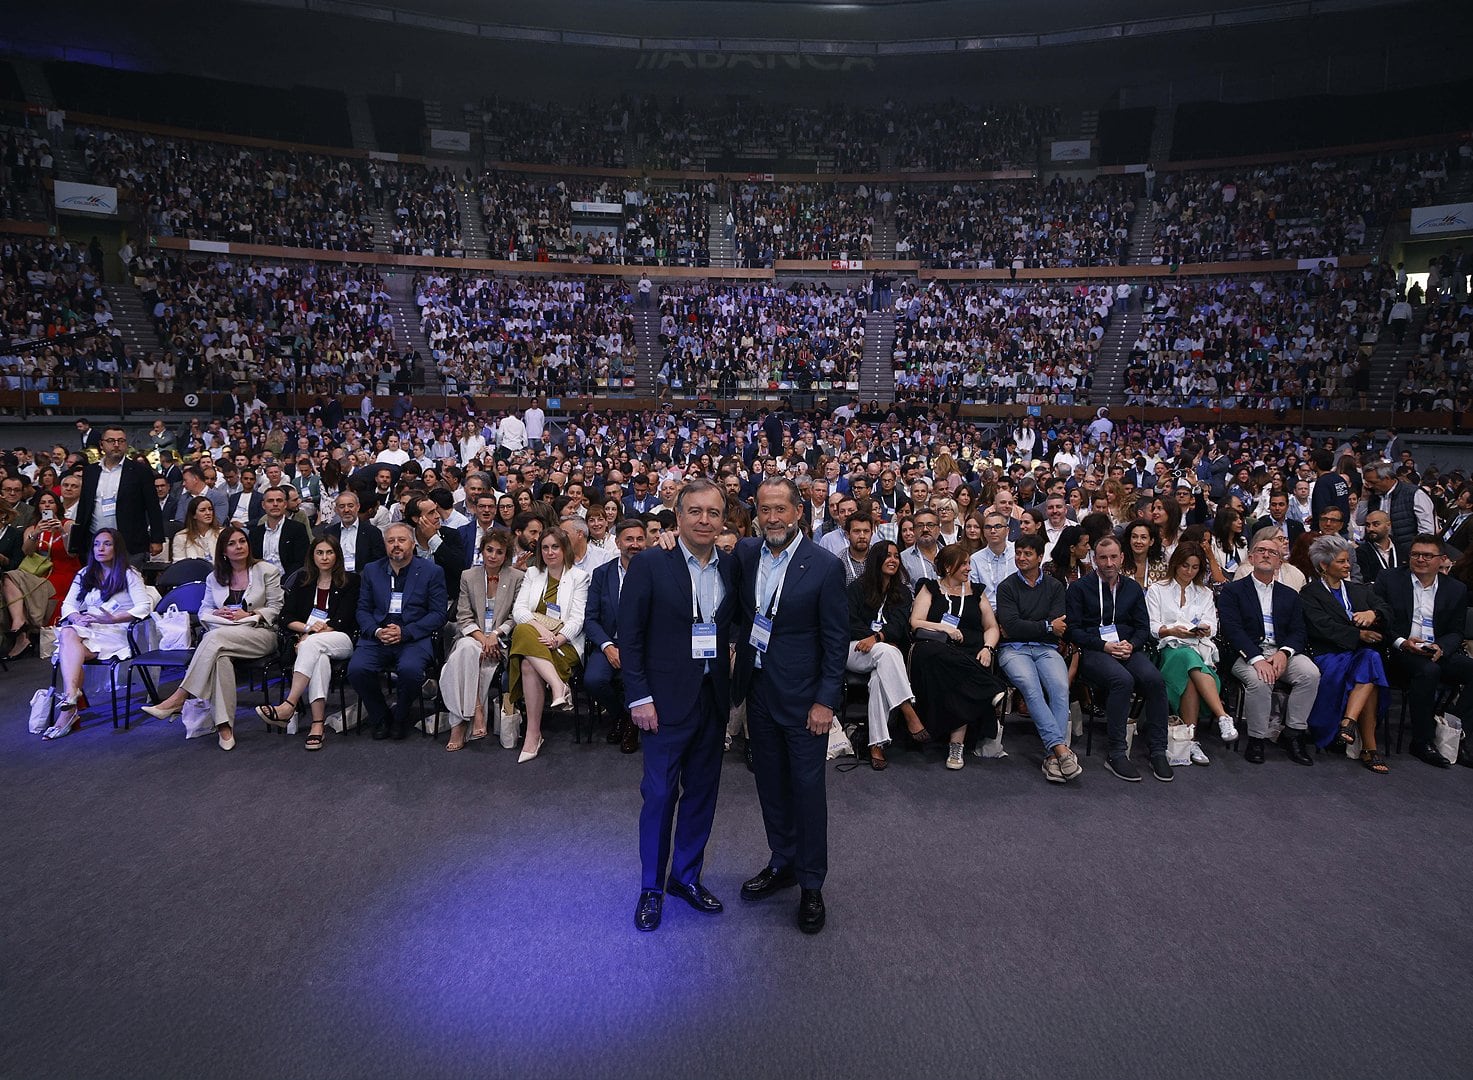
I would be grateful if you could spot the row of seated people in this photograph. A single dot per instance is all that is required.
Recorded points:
(1000, 344)
(426, 212)
(1016, 223)
(728, 337)
(1291, 210)
(1440, 376)
(526, 332)
(26, 163)
(800, 221)
(1293, 341)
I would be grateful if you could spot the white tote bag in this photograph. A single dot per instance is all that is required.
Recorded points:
(1447, 736)
(40, 718)
(198, 718)
(1179, 738)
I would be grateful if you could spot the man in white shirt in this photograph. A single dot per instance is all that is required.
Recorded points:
(1056, 510)
(995, 560)
(837, 539)
(858, 530)
(511, 435)
(534, 420)
(586, 557)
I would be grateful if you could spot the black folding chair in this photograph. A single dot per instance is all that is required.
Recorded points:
(186, 598)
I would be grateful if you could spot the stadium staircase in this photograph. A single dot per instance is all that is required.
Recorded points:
(721, 246)
(383, 224)
(883, 245)
(647, 340)
(407, 332)
(1161, 134)
(1114, 357)
(876, 368)
(1389, 362)
(131, 319)
(34, 82)
(360, 123)
(473, 231)
(1138, 244)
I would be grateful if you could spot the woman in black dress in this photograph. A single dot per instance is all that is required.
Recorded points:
(956, 637)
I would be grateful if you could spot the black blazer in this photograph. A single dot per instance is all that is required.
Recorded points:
(369, 546)
(139, 520)
(1370, 564)
(1449, 608)
(12, 551)
(1327, 627)
(293, 547)
(1296, 528)
(1082, 613)
(342, 605)
(861, 614)
(1240, 616)
(253, 508)
(449, 557)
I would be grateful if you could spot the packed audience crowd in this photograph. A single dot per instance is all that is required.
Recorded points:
(999, 344)
(730, 337)
(801, 221)
(51, 292)
(1094, 568)
(1440, 375)
(1300, 341)
(526, 335)
(425, 209)
(1291, 210)
(1015, 223)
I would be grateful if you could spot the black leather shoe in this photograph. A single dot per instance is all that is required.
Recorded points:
(768, 882)
(380, 731)
(751, 768)
(399, 732)
(1253, 753)
(1430, 754)
(616, 733)
(647, 913)
(1294, 746)
(629, 741)
(696, 895)
(811, 911)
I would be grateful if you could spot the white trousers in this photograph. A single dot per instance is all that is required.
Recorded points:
(315, 655)
(465, 680)
(211, 674)
(889, 685)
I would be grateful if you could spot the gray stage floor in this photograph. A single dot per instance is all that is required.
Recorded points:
(390, 910)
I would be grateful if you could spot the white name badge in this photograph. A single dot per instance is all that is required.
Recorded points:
(317, 616)
(350, 561)
(490, 622)
(1268, 629)
(761, 632)
(1428, 633)
(554, 611)
(396, 603)
(951, 620)
(1109, 634)
(876, 626)
(703, 641)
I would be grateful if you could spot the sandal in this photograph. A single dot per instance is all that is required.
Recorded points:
(1346, 734)
(919, 737)
(877, 760)
(315, 740)
(268, 714)
(451, 745)
(1373, 760)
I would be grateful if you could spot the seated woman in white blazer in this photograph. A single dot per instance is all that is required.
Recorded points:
(484, 618)
(241, 607)
(548, 639)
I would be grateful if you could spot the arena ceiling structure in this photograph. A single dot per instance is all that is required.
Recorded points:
(1077, 52)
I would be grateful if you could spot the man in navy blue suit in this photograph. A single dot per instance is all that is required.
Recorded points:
(790, 670)
(483, 520)
(675, 611)
(402, 604)
(601, 629)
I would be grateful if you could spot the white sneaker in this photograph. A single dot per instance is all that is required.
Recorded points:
(1227, 729)
(954, 756)
(1198, 756)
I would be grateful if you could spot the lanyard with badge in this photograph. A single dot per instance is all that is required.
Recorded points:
(1428, 631)
(702, 632)
(949, 617)
(762, 624)
(396, 595)
(1109, 633)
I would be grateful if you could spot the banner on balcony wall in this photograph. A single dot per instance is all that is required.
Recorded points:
(597, 207)
(1447, 218)
(457, 142)
(86, 198)
(1070, 150)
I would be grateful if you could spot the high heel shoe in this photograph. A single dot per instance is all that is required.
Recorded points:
(158, 712)
(528, 755)
(30, 648)
(68, 716)
(268, 714)
(564, 703)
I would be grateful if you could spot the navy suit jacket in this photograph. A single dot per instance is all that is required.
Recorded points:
(369, 547)
(1449, 608)
(601, 615)
(810, 633)
(1240, 616)
(426, 605)
(654, 612)
(468, 541)
(1082, 612)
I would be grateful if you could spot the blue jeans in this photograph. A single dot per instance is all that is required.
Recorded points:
(1042, 677)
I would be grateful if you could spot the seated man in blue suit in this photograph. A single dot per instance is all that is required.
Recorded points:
(1263, 624)
(790, 670)
(401, 606)
(483, 520)
(675, 612)
(1105, 612)
(601, 628)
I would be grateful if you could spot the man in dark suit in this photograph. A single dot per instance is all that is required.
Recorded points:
(1278, 519)
(674, 618)
(642, 500)
(1376, 553)
(483, 520)
(1269, 643)
(1106, 615)
(601, 629)
(790, 671)
(87, 436)
(401, 606)
(168, 499)
(1428, 612)
(1459, 530)
(118, 493)
(244, 506)
(276, 538)
(360, 539)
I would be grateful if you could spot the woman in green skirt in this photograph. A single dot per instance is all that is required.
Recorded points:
(1183, 621)
(548, 639)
